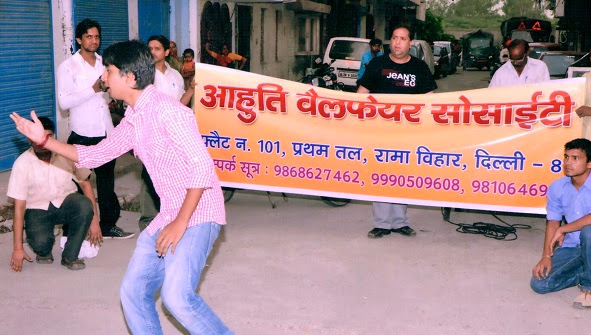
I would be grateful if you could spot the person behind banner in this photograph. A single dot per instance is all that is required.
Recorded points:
(566, 255)
(165, 137)
(395, 73)
(520, 69)
(226, 58)
(585, 110)
(374, 51)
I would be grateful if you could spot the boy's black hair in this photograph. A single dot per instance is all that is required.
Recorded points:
(84, 25)
(132, 57)
(580, 143)
(162, 39)
(47, 123)
(189, 51)
(375, 41)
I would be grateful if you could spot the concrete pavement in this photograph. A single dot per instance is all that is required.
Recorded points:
(306, 268)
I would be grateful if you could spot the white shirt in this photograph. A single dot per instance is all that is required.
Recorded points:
(170, 82)
(535, 71)
(39, 183)
(89, 110)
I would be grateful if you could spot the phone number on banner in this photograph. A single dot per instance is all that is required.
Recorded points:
(411, 181)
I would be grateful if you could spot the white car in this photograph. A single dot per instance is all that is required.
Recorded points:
(344, 55)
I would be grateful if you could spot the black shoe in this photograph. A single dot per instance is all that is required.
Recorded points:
(378, 232)
(117, 233)
(44, 259)
(406, 231)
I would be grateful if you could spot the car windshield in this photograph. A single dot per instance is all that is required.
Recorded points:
(558, 64)
(437, 50)
(349, 50)
(479, 43)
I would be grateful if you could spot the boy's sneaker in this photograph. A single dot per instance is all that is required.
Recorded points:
(583, 301)
(117, 233)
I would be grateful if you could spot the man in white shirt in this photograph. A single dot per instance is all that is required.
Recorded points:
(520, 69)
(170, 82)
(45, 195)
(80, 90)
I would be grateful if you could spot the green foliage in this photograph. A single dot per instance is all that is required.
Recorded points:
(430, 30)
(472, 8)
(473, 22)
(528, 8)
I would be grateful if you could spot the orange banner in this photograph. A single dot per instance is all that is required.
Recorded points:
(491, 149)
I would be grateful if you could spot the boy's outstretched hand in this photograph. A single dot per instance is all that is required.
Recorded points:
(31, 129)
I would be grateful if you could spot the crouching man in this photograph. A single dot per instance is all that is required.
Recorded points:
(45, 195)
(566, 256)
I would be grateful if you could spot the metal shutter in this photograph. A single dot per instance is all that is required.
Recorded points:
(153, 18)
(26, 70)
(110, 14)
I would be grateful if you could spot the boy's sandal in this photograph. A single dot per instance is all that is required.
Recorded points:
(76, 264)
(44, 259)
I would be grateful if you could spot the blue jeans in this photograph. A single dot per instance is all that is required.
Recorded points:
(570, 267)
(178, 275)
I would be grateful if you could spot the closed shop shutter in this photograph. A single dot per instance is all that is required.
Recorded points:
(112, 15)
(153, 18)
(26, 70)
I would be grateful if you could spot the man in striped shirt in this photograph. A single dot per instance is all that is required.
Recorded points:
(164, 135)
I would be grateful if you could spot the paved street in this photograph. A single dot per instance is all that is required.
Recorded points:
(307, 268)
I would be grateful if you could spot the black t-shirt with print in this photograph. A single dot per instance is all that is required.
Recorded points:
(382, 75)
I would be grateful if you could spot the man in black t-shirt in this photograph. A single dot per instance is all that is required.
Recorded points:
(395, 73)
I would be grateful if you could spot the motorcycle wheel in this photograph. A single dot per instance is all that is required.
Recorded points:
(335, 202)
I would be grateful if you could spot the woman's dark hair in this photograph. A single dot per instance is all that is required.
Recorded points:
(132, 57)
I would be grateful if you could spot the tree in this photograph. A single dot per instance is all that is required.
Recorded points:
(527, 8)
(439, 7)
(430, 30)
(467, 8)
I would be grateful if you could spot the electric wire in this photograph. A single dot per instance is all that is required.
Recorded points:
(490, 230)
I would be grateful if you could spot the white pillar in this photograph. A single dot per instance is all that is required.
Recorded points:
(132, 17)
(195, 27)
(63, 45)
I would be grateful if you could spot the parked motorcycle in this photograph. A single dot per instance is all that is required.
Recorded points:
(323, 76)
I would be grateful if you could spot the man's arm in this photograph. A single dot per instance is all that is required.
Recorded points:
(576, 225)
(18, 252)
(542, 269)
(188, 95)
(362, 89)
(583, 111)
(174, 231)
(68, 94)
(244, 59)
(94, 232)
(209, 51)
(34, 131)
